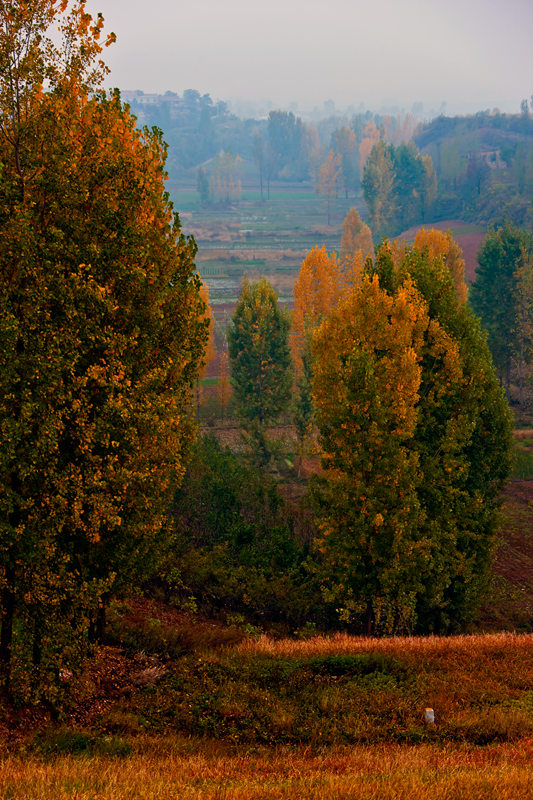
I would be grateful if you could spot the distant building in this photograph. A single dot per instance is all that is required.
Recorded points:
(138, 99)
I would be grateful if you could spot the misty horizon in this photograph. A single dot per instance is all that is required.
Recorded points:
(470, 57)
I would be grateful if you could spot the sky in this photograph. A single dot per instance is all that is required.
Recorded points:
(469, 54)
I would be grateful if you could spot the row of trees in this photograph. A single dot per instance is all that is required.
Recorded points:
(502, 295)
(399, 187)
(391, 363)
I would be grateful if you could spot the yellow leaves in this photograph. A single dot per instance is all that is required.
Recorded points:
(442, 245)
(317, 290)
(356, 245)
(385, 332)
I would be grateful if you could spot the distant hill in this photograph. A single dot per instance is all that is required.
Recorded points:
(484, 166)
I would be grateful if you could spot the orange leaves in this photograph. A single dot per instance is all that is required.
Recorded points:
(356, 245)
(442, 245)
(317, 289)
(102, 327)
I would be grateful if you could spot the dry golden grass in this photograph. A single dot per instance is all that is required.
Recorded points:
(171, 769)
(344, 644)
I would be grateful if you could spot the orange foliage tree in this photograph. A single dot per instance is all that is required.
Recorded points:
(416, 441)
(443, 245)
(317, 289)
(102, 333)
(356, 239)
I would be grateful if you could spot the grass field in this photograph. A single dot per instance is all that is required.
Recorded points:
(194, 770)
(328, 717)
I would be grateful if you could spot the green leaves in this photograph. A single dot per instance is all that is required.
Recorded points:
(260, 362)
(103, 330)
(416, 441)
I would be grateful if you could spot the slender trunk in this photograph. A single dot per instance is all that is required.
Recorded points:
(100, 623)
(369, 618)
(37, 649)
(6, 631)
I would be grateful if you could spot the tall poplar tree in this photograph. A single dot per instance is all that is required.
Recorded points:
(416, 438)
(494, 292)
(102, 330)
(260, 362)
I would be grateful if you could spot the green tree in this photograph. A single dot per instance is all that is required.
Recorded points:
(236, 546)
(328, 180)
(202, 186)
(288, 144)
(260, 361)
(408, 188)
(399, 186)
(416, 440)
(259, 159)
(378, 184)
(303, 409)
(101, 336)
(344, 144)
(494, 292)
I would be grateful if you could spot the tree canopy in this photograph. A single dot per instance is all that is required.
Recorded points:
(260, 362)
(503, 263)
(102, 333)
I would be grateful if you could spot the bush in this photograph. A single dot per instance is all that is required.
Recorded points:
(234, 543)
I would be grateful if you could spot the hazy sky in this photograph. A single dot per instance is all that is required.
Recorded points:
(471, 54)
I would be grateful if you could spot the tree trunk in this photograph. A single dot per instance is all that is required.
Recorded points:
(6, 631)
(37, 650)
(369, 619)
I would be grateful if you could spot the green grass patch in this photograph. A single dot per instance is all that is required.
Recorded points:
(66, 741)
(343, 698)
(523, 461)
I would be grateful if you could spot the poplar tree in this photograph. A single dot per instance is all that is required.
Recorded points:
(416, 438)
(260, 361)
(102, 330)
(356, 237)
(494, 294)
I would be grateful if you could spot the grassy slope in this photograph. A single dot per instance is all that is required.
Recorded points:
(325, 718)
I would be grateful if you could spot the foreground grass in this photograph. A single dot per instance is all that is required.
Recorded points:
(326, 718)
(188, 769)
(343, 690)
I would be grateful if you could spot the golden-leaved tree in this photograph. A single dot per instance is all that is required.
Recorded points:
(416, 440)
(317, 289)
(356, 241)
(102, 330)
(442, 244)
